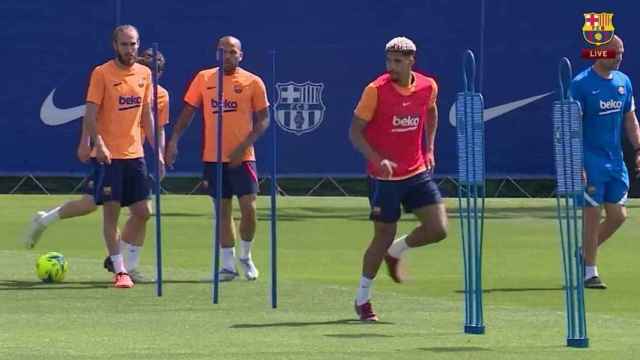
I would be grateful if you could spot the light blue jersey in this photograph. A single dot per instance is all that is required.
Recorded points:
(604, 103)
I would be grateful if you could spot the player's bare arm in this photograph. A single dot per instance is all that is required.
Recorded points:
(90, 123)
(183, 122)
(357, 139)
(430, 134)
(260, 125)
(148, 124)
(633, 133)
(84, 146)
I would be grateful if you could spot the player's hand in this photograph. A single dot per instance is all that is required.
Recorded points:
(84, 153)
(171, 153)
(162, 170)
(235, 158)
(385, 168)
(103, 155)
(584, 177)
(430, 160)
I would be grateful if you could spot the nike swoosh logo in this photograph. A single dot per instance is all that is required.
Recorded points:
(595, 92)
(54, 116)
(494, 112)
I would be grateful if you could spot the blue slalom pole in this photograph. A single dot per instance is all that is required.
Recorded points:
(218, 200)
(274, 195)
(156, 182)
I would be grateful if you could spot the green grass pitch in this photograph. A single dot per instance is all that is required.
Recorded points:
(321, 242)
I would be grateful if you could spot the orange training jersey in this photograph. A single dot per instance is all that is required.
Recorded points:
(163, 113)
(163, 106)
(120, 95)
(244, 93)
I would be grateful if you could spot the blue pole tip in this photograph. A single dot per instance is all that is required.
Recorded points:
(474, 329)
(578, 343)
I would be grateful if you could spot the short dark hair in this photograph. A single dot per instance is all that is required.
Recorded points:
(148, 60)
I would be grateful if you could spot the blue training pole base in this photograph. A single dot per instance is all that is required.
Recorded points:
(578, 343)
(474, 329)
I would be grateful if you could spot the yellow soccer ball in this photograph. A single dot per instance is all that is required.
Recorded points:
(52, 267)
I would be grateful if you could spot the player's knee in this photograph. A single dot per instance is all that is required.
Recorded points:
(142, 213)
(433, 233)
(617, 218)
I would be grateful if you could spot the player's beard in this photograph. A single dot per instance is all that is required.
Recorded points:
(127, 61)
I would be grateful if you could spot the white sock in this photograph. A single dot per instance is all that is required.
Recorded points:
(133, 256)
(398, 247)
(118, 263)
(228, 258)
(245, 249)
(123, 247)
(364, 291)
(590, 271)
(51, 216)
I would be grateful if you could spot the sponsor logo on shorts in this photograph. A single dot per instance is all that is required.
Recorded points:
(376, 210)
(106, 190)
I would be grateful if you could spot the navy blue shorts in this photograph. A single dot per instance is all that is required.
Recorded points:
(239, 181)
(94, 175)
(124, 181)
(386, 196)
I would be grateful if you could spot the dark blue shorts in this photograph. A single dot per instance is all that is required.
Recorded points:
(239, 181)
(94, 175)
(124, 181)
(386, 196)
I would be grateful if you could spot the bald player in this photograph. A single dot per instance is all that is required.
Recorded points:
(245, 112)
(395, 115)
(606, 97)
(118, 105)
(86, 204)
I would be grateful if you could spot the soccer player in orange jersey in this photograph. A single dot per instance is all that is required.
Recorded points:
(245, 112)
(396, 113)
(118, 105)
(86, 204)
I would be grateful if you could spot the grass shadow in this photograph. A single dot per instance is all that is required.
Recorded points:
(358, 336)
(361, 213)
(454, 349)
(18, 285)
(488, 291)
(309, 323)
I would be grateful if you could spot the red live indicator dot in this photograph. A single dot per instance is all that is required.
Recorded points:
(598, 54)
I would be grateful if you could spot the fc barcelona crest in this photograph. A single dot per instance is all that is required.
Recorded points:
(598, 28)
(299, 108)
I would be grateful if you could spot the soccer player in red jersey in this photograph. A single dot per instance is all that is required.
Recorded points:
(396, 113)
